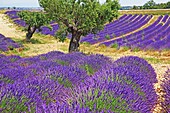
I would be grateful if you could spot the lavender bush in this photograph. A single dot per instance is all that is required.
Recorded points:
(53, 82)
(165, 86)
(8, 44)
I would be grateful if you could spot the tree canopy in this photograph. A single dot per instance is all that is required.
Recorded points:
(34, 20)
(149, 5)
(80, 17)
(153, 5)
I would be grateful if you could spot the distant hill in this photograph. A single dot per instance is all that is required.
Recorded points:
(126, 7)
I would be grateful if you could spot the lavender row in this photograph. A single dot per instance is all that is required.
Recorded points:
(12, 14)
(165, 86)
(44, 30)
(131, 36)
(155, 36)
(123, 25)
(7, 43)
(129, 25)
(76, 82)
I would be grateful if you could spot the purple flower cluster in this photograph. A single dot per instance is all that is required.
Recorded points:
(15, 18)
(124, 87)
(75, 82)
(46, 31)
(166, 88)
(156, 36)
(7, 43)
(137, 65)
(12, 14)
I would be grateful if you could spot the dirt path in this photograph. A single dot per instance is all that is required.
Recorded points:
(9, 30)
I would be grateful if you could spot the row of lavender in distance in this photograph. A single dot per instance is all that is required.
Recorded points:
(75, 82)
(44, 30)
(156, 37)
(12, 14)
(124, 25)
(7, 43)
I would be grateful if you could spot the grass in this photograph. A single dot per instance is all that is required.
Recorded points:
(115, 45)
(135, 49)
(153, 60)
(2, 11)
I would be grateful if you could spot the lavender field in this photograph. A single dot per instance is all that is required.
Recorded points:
(118, 33)
(79, 82)
(54, 82)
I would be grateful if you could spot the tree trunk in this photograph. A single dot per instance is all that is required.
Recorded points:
(30, 32)
(74, 42)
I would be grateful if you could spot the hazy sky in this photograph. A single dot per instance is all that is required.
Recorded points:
(34, 3)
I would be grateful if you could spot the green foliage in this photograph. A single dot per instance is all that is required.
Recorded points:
(67, 83)
(86, 43)
(83, 16)
(105, 101)
(6, 79)
(115, 45)
(107, 37)
(62, 62)
(136, 49)
(34, 20)
(37, 19)
(10, 47)
(135, 7)
(88, 69)
(152, 5)
(61, 35)
(149, 5)
(13, 59)
(125, 48)
(153, 60)
(32, 41)
(14, 105)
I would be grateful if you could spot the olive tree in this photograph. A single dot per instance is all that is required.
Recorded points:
(34, 21)
(149, 5)
(80, 17)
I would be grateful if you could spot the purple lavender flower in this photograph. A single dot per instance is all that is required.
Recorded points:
(165, 86)
(53, 82)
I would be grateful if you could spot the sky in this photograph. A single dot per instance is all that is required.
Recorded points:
(34, 3)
